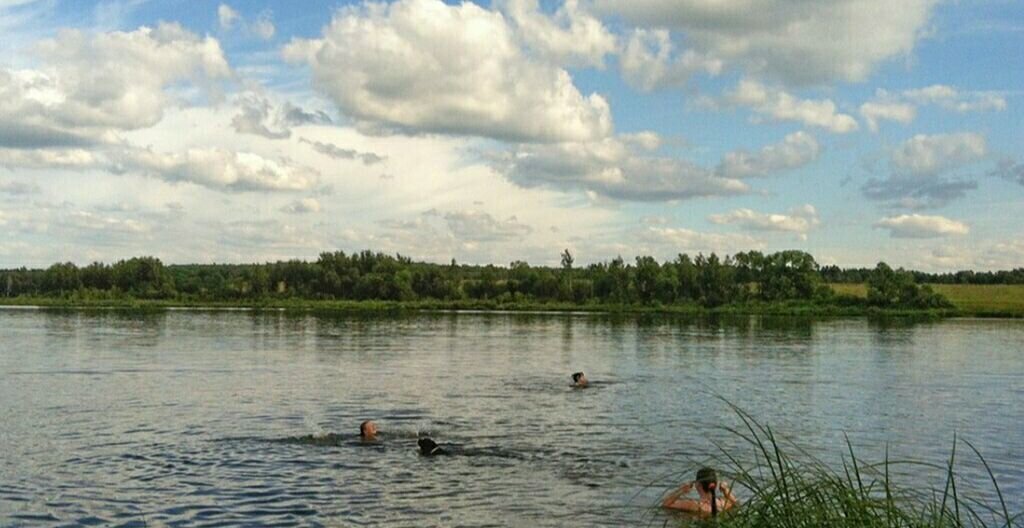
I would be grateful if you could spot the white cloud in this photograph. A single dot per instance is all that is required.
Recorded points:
(778, 105)
(263, 27)
(932, 154)
(424, 66)
(217, 169)
(90, 86)
(613, 168)
(799, 220)
(89, 221)
(951, 98)
(649, 61)
(796, 150)
(262, 117)
(873, 112)
(302, 206)
(798, 42)
(922, 226)
(1006, 254)
(571, 37)
(48, 158)
(902, 106)
(227, 16)
(667, 242)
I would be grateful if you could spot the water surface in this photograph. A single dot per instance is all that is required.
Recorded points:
(213, 418)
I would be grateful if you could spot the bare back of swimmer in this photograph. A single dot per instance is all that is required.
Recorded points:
(708, 501)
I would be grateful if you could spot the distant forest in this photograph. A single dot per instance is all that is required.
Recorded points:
(703, 280)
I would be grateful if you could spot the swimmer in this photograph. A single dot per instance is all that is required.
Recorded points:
(707, 503)
(368, 431)
(429, 447)
(579, 380)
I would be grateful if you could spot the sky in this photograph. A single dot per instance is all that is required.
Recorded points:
(490, 132)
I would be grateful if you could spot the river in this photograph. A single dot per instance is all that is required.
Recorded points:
(204, 417)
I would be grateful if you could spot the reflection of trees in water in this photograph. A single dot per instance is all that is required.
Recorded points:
(889, 331)
(126, 327)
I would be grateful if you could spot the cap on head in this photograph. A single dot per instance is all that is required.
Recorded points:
(576, 377)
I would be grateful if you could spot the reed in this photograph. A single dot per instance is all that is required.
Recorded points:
(785, 486)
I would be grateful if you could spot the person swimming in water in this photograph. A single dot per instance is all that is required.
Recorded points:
(707, 503)
(579, 380)
(428, 447)
(368, 431)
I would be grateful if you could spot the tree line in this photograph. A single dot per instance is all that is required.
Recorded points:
(836, 274)
(704, 280)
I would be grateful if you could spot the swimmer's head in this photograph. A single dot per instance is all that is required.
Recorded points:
(579, 379)
(707, 479)
(368, 430)
(429, 447)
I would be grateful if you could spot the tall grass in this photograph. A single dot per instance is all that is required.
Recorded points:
(781, 485)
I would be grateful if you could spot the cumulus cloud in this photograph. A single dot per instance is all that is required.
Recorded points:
(54, 158)
(649, 61)
(924, 155)
(796, 150)
(217, 169)
(336, 152)
(874, 112)
(778, 105)
(424, 66)
(262, 117)
(920, 168)
(797, 42)
(922, 226)
(902, 106)
(227, 16)
(615, 169)
(571, 37)
(798, 220)
(91, 86)
(953, 99)
(302, 206)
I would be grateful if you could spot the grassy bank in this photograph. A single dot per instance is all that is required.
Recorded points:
(794, 308)
(981, 300)
(786, 487)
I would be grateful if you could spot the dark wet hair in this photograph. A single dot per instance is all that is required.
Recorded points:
(429, 447)
(576, 377)
(707, 479)
(362, 428)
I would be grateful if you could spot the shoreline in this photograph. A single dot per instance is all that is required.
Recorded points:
(345, 306)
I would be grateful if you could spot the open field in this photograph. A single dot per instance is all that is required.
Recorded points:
(974, 299)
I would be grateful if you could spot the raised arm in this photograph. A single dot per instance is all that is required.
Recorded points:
(670, 500)
(730, 499)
